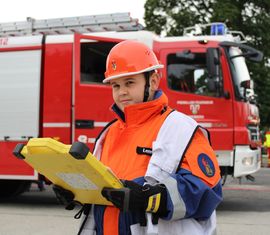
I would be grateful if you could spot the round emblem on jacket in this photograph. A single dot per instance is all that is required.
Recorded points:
(206, 165)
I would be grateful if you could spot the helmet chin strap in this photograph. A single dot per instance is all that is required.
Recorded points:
(146, 87)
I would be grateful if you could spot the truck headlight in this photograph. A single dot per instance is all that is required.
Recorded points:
(247, 161)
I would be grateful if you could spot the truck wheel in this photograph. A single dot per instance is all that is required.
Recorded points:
(11, 188)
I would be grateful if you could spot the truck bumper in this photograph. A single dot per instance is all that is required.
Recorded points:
(246, 160)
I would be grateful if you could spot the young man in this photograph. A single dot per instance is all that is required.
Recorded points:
(170, 172)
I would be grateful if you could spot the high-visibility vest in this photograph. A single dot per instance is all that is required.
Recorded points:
(267, 140)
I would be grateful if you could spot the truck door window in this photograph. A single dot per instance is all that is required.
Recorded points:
(93, 61)
(187, 72)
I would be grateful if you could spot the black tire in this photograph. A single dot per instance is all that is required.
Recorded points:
(12, 188)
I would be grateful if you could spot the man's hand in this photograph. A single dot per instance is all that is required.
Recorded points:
(137, 198)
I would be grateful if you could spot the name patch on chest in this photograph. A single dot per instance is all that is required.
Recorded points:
(144, 151)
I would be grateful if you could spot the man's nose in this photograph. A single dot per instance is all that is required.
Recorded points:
(123, 90)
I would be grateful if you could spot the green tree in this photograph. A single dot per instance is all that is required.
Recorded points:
(252, 17)
(172, 16)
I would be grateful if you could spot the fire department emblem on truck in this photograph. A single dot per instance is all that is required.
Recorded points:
(194, 108)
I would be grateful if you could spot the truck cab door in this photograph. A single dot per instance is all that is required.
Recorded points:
(193, 91)
(91, 98)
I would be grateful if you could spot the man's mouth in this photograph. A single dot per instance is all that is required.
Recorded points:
(125, 101)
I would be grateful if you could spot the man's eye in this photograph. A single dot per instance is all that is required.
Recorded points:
(130, 82)
(115, 86)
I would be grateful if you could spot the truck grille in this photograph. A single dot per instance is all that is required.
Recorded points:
(254, 132)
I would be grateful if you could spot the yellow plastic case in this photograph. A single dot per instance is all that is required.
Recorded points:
(72, 167)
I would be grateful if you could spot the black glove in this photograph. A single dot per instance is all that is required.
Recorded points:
(65, 197)
(137, 198)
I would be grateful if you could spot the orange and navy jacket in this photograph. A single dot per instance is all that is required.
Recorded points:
(127, 148)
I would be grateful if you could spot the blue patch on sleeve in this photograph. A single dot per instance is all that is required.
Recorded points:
(206, 165)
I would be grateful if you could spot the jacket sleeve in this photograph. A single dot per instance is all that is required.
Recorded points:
(195, 190)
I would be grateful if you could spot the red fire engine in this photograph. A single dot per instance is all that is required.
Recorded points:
(51, 74)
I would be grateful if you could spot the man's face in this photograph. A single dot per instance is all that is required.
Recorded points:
(128, 90)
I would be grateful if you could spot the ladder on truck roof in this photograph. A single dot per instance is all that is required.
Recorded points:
(70, 25)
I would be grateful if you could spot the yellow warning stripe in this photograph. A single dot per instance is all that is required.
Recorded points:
(153, 203)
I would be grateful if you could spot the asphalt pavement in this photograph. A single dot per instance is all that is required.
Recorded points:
(244, 210)
(246, 206)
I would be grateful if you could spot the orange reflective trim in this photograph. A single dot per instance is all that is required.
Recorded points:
(111, 221)
(201, 160)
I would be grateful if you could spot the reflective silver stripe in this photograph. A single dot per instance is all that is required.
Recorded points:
(205, 124)
(179, 208)
(56, 124)
(100, 124)
(22, 177)
(91, 140)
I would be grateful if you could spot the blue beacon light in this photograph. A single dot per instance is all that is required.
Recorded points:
(218, 29)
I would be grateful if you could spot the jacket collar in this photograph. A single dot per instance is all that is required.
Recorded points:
(139, 113)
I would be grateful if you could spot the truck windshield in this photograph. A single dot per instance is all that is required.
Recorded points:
(240, 73)
(187, 72)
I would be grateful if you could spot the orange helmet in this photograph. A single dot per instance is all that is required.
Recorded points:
(129, 58)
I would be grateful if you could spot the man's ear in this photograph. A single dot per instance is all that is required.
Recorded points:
(154, 81)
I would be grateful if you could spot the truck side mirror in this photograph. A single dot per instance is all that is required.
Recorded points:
(211, 85)
(245, 84)
(248, 52)
(212, 62)
(255, 56)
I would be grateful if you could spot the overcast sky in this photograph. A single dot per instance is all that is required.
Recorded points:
(18, 10)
